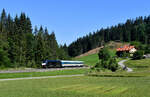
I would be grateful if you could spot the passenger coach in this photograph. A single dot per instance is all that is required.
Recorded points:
(62, 63)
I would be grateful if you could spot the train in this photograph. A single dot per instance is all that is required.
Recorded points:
(61, 63)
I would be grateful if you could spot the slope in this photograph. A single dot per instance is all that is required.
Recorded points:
(91, 57)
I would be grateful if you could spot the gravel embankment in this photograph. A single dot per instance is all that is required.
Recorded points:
(58, 76)
(39, 70)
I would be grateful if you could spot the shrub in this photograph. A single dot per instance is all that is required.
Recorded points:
(138, 55)
(106, 61)
(110, 64)
(98, 65)
(113, 65)
(137, 45)
(104, 54)
(125, 55)
(122, 54)
(147, 49)
(119, 54)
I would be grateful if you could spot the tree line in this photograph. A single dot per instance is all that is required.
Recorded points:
(22, 46)
(132, 30)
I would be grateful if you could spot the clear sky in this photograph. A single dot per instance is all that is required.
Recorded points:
(71, 19)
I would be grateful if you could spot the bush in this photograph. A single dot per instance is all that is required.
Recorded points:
(137, 45)
(104, 54)
(106, 61)
(119, 54)
(110, 64)
(105, 64)
(122, 54)
(140, 46)
(147, 49)
(98, 65)
(125, 55)
(138, 55)
(113, 65)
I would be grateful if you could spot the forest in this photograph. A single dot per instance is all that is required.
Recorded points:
(23, 46)
(132, 30)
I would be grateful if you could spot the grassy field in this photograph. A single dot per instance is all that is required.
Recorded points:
(92, 59)
(98, 84)
(142, 73)
(89, 60)
(141, 68)
(77, 87)
(106, 84)
(139, 65)
(144, 63)
(38, 74)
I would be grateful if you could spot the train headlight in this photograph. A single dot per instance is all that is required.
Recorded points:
(43, 64)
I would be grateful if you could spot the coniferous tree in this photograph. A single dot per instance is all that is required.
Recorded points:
(40, 47)
(53, 46)
(22, 46)
(131, 30)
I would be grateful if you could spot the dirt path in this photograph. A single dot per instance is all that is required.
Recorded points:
(58, 76)
(121, 63)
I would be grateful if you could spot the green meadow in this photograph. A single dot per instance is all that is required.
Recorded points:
(97, 84)
(89, 60)
(92, 59)
(137, 64)
(77, 87)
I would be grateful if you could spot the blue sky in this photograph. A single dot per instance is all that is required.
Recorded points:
(71, 19)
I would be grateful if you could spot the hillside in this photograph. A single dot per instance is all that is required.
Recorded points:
(91, 57)
(93, 51)
(132, 30)
(89, 60)
(111, 45)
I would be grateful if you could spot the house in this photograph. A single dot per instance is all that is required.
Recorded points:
(125, 49)
(132, 51)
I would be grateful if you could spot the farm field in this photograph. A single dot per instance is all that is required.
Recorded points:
(77, 87)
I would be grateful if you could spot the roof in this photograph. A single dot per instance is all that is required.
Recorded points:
(62, 61)
(70, 61)
(52, 61)
(125, 48)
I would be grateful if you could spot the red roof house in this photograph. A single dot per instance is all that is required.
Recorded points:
(125, 48)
